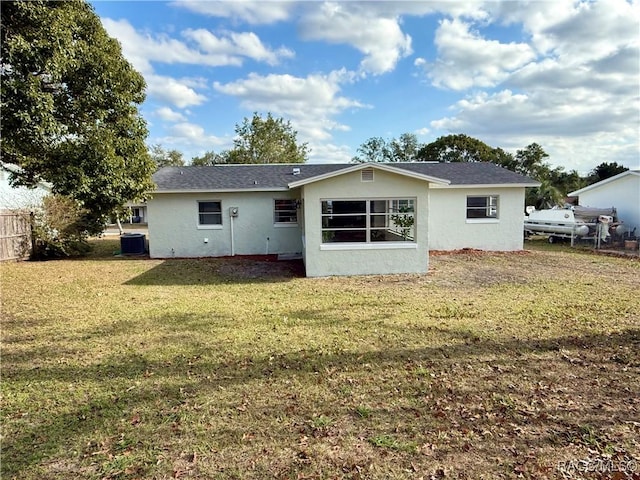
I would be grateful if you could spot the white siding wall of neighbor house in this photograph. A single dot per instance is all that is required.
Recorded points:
(174, 229)
(19, 198)
(449, 228)
(372, 258)
(623, 194)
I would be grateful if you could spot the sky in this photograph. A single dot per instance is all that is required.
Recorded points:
(563, 74)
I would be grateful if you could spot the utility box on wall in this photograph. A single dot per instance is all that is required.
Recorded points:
(233, 211)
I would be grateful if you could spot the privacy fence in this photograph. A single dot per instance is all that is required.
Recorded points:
(15, 235)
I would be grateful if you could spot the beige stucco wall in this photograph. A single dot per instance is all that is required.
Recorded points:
(373, 258)
(449, 228)
(174, 230)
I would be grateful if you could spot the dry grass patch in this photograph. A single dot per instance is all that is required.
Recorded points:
(491, 366)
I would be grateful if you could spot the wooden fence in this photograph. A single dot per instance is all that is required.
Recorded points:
(15, 235)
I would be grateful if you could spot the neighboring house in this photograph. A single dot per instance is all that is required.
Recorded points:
(621, 191)
(137, 212)
(19, 198)
(367, 218)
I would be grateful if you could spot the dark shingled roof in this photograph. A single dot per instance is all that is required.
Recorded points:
(278, 176)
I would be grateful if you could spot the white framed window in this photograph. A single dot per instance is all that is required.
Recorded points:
(482, 207)
(368, 220)
(210, 213)
(285, 211)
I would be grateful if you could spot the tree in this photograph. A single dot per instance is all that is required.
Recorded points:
(405, 148)
(544, 196)
(566, 181)
(69, 107)
(603, 171)
(457, 148)
(266, 140)
(166, 158)
(379, 150)
(375, 149)
(530, 161)
(210, 158)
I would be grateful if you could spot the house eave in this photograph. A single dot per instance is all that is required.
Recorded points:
(488, 185)
(221, 190)
(602, 183)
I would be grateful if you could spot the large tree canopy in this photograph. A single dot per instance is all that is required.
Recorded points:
(605, 170)
(266, 140)
(456, 148)
(69, 107)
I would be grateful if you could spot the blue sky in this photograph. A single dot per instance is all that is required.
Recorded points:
(563, 74)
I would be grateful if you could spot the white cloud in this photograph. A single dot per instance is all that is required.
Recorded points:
(143, 49)
(165, 113)
(241, 44)
(577, 112)
(173, 91)
(329, 153)
(378, 37)
(206, 48)
(577, 31)
(253, 12)
(309, 102)
(422, 131)
(573, 88)
(562, 121)
(191, 138)
(466, 60)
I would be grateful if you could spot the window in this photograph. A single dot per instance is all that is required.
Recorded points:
(365, 221)
(285, 211)
(210, 213)
(482, 207)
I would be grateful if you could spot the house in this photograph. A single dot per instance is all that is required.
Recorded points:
(621, 191)
(19, 198)
(137, 212)
(350, 219)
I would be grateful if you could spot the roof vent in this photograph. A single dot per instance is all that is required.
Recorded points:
(366, 175)
(296, 171)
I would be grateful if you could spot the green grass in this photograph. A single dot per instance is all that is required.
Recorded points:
(490, 366)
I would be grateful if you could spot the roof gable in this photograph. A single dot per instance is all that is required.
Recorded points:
(376, 166)
(604, 182)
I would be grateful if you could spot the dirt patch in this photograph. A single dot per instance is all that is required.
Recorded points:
(259, 267)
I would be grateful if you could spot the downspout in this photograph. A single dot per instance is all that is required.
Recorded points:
(233, 248)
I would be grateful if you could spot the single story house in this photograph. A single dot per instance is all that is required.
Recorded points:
(621, 191)
(369, 218)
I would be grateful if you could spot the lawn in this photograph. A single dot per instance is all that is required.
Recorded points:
(523, 365)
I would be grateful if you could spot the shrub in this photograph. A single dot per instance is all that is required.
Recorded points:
(60, 229)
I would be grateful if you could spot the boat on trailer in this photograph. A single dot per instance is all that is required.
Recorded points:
(573, 222)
